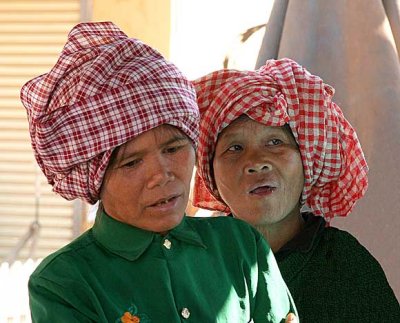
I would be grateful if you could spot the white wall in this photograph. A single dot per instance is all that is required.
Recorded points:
(204, 31)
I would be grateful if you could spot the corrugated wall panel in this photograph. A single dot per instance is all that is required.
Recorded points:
(32, 34)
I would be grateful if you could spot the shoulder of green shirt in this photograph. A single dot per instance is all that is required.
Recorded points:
(81, 241)
(225, 222)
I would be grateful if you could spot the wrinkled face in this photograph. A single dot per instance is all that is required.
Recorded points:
(147, 185)
(258, 172)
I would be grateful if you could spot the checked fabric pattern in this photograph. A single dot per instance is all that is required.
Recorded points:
(283, 92)
(104, 90)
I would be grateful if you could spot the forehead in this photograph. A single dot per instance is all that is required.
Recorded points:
(244, 123)
(158, 134)
(151, 138)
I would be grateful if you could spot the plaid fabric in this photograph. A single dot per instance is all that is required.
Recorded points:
(104, 90)
(283, 92)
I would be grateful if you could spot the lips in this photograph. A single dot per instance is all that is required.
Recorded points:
(164, 201)
(262, 188)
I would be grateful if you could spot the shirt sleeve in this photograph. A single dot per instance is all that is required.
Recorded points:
(273, 299)
(51, 302)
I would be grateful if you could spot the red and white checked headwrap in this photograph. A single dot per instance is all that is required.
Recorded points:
(283, 92)
(104, 90)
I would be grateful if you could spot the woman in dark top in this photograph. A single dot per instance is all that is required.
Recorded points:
(277, 152)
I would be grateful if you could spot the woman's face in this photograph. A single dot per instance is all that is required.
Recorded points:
(258, 172)
(147, 185)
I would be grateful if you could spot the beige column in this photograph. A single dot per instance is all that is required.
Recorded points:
(147, 20)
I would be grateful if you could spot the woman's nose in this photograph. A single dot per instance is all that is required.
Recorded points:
(254, 166)
(160, 173)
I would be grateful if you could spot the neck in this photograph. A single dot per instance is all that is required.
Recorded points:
(278, 234)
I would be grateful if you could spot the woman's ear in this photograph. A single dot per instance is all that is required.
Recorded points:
(213, 182)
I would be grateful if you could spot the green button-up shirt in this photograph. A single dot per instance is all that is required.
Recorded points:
(204, 270)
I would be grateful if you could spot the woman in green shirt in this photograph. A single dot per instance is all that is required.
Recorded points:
(114, 121)
(272, 141)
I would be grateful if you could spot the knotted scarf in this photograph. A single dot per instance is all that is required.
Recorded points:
(104, 90)
(283, 92)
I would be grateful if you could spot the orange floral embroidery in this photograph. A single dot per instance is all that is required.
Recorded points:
(129, 318)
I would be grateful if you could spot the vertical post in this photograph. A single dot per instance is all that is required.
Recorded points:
(86, 10)
(77, 218)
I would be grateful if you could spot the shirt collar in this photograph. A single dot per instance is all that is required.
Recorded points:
(130, 242)
(306, 239)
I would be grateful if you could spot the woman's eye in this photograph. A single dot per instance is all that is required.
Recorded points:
(274, 142)
(173, 149)
(131, 163)
(235, 148)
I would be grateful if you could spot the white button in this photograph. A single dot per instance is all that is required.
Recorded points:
(185, 313)
(167, 244)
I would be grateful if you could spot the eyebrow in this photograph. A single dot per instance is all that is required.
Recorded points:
(129, 154)
(235, 134)
(227, 136)
(174, 139)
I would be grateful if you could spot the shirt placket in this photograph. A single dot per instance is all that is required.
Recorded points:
(169, 251)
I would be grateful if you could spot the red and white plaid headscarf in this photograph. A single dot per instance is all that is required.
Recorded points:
(104, 90)
(283, 92)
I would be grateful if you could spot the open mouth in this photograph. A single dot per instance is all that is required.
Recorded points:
(265, 189)
(165, 201)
